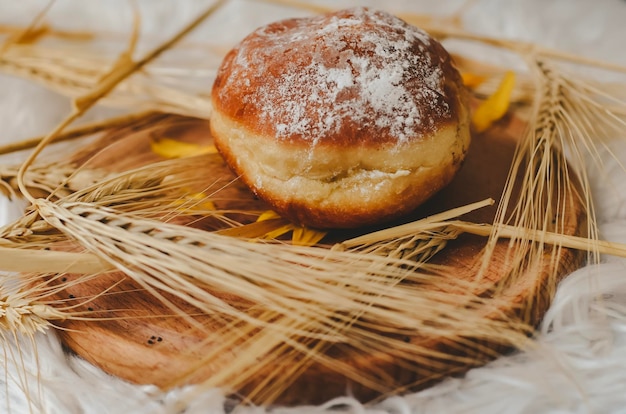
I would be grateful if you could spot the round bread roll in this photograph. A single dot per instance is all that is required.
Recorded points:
(341, 120)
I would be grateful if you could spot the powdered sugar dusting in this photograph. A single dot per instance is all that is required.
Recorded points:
(322, 76)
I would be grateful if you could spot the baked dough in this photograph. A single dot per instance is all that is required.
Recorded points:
(341, 120)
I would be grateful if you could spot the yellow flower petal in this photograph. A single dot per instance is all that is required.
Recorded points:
(196, 196)
(303, 236)
(254, 230)
(170, 148)
(268, 215)
(496, 106)
(276, 233)
(191, 202)
(471, 80)
(205, 204)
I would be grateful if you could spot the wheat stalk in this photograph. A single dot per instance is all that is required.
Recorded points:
(58, 178)
(419, 240)
(568, 118)
(294, 302)
(123, 68)
(78, 74)
(345, 297)
(141, 246)
(136, 120)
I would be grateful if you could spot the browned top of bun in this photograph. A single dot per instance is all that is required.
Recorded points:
(354, 77)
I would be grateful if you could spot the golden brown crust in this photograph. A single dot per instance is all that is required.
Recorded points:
(282, 79)
(342, 120)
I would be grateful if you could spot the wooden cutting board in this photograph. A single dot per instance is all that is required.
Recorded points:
(139, 343)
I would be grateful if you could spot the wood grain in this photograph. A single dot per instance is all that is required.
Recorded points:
(141, 341)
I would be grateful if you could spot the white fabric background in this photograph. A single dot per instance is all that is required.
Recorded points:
(579, 364)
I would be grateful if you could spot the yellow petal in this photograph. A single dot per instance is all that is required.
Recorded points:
(471, 80)
(268, 215)
(303, 236)
(194, 202)
(205, 204)
(496, 106)
(170, 148)
(196, 196)
(254, 230)
(276, 233)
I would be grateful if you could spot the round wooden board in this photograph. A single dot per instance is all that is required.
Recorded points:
(136, 344)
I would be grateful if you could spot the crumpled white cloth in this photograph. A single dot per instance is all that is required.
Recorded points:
(579, 363)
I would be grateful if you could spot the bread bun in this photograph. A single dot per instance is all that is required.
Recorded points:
(341, 120)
